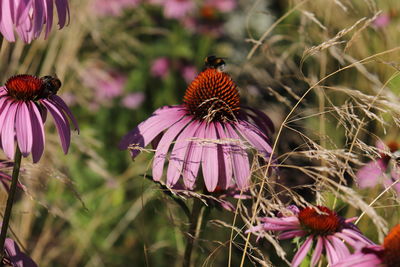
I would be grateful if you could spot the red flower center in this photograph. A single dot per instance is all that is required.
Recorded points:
(24, 87)
(321, 221)
(391, 247)
(212, 96)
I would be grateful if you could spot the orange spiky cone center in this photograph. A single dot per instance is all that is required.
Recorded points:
(321, 221)
(212, 96)
(24, 87)
(391, 247)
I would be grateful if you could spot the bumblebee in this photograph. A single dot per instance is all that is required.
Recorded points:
(213, 62)
(50, 85)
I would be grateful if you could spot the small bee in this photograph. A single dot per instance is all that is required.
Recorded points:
(50, 85)
(213, 62)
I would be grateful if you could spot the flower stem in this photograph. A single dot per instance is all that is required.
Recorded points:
(192, 233)
(10, 200)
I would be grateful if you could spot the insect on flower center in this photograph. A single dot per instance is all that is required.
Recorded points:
(321, 221)
(212, 96)
(391, 245)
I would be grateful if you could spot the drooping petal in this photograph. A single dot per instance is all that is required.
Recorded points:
(7, 132)
(163, 147)
(193, 157)
(261, 120)
(317, 251)
(38, 17)
(49, 16)
(61, 123)
(368, 175)
(6, 22)
(16, 256)
(302, 252)
(290, 234)
(59, 102)
(340, 248)
(330, 252)
(146, 131)
(209, 158)
(224, 158)
(63, 12)
(178, 154)
(241, 165)
(255, 137)
(37, 132)
(23, 129)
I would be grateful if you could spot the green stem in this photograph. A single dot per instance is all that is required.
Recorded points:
(192, 233)
(10, 200)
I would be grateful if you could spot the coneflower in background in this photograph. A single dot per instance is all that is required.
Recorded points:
(386, 255)
(24, 102)
(322, 225)
(29, 17)
(209, 129)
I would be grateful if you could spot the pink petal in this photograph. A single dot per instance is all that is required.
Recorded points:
(331, 252)
(368, 176)
(241, 166)
(59, 102)
(193, 157)
(224, 158)
(291, 234)
(49, 16)
(339, 246)
(16, 256)
(61, 123)
(317, 251)
(7, 132)
(146, 131)
(255, 137)
(38, 17)
(24, 129)
(37, 132)
(63, 12)
(6, 22)
(303, 250)
(209, 158)
(163, 146)
(177, 158)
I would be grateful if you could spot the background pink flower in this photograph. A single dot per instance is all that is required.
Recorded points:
(133, 100)
(29, 17)
(160, 67)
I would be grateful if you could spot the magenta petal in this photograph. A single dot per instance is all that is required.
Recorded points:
(38, 18)
(146, 131)
(302, 252)
(37, 132)
(193, 157)
(61, 105)
(62, 11)
(49, 16)
(61, 123)
(163, 146)
(330, 252)
(23, 129)
(317, 251)
(178, 153)
(16, 256)
(340, 248)
(224, 158)
(241, 166)
(209, 158)
(255, 137)
(368, 176)
(290, 234)
(7, 132)
(6, 22)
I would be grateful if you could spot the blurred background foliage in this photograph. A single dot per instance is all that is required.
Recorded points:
(121, 60)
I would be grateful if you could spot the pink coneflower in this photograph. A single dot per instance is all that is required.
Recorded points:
(29, 17)
(24, 102)
(133, 100)
(177, 9)
(382, 20)
(386, 255)
(113, 7)
(330, 231)
(208, 129)
(384, 170)
(160, 67)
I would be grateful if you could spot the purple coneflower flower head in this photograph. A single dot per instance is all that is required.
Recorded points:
(24, 102)
(386, 255)
(133, 100)
(209, 130)
(384, 170)
(177, 9)
(15, 257)
(321, 226)
(113, 7)
(29, 17)
(160, 67)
